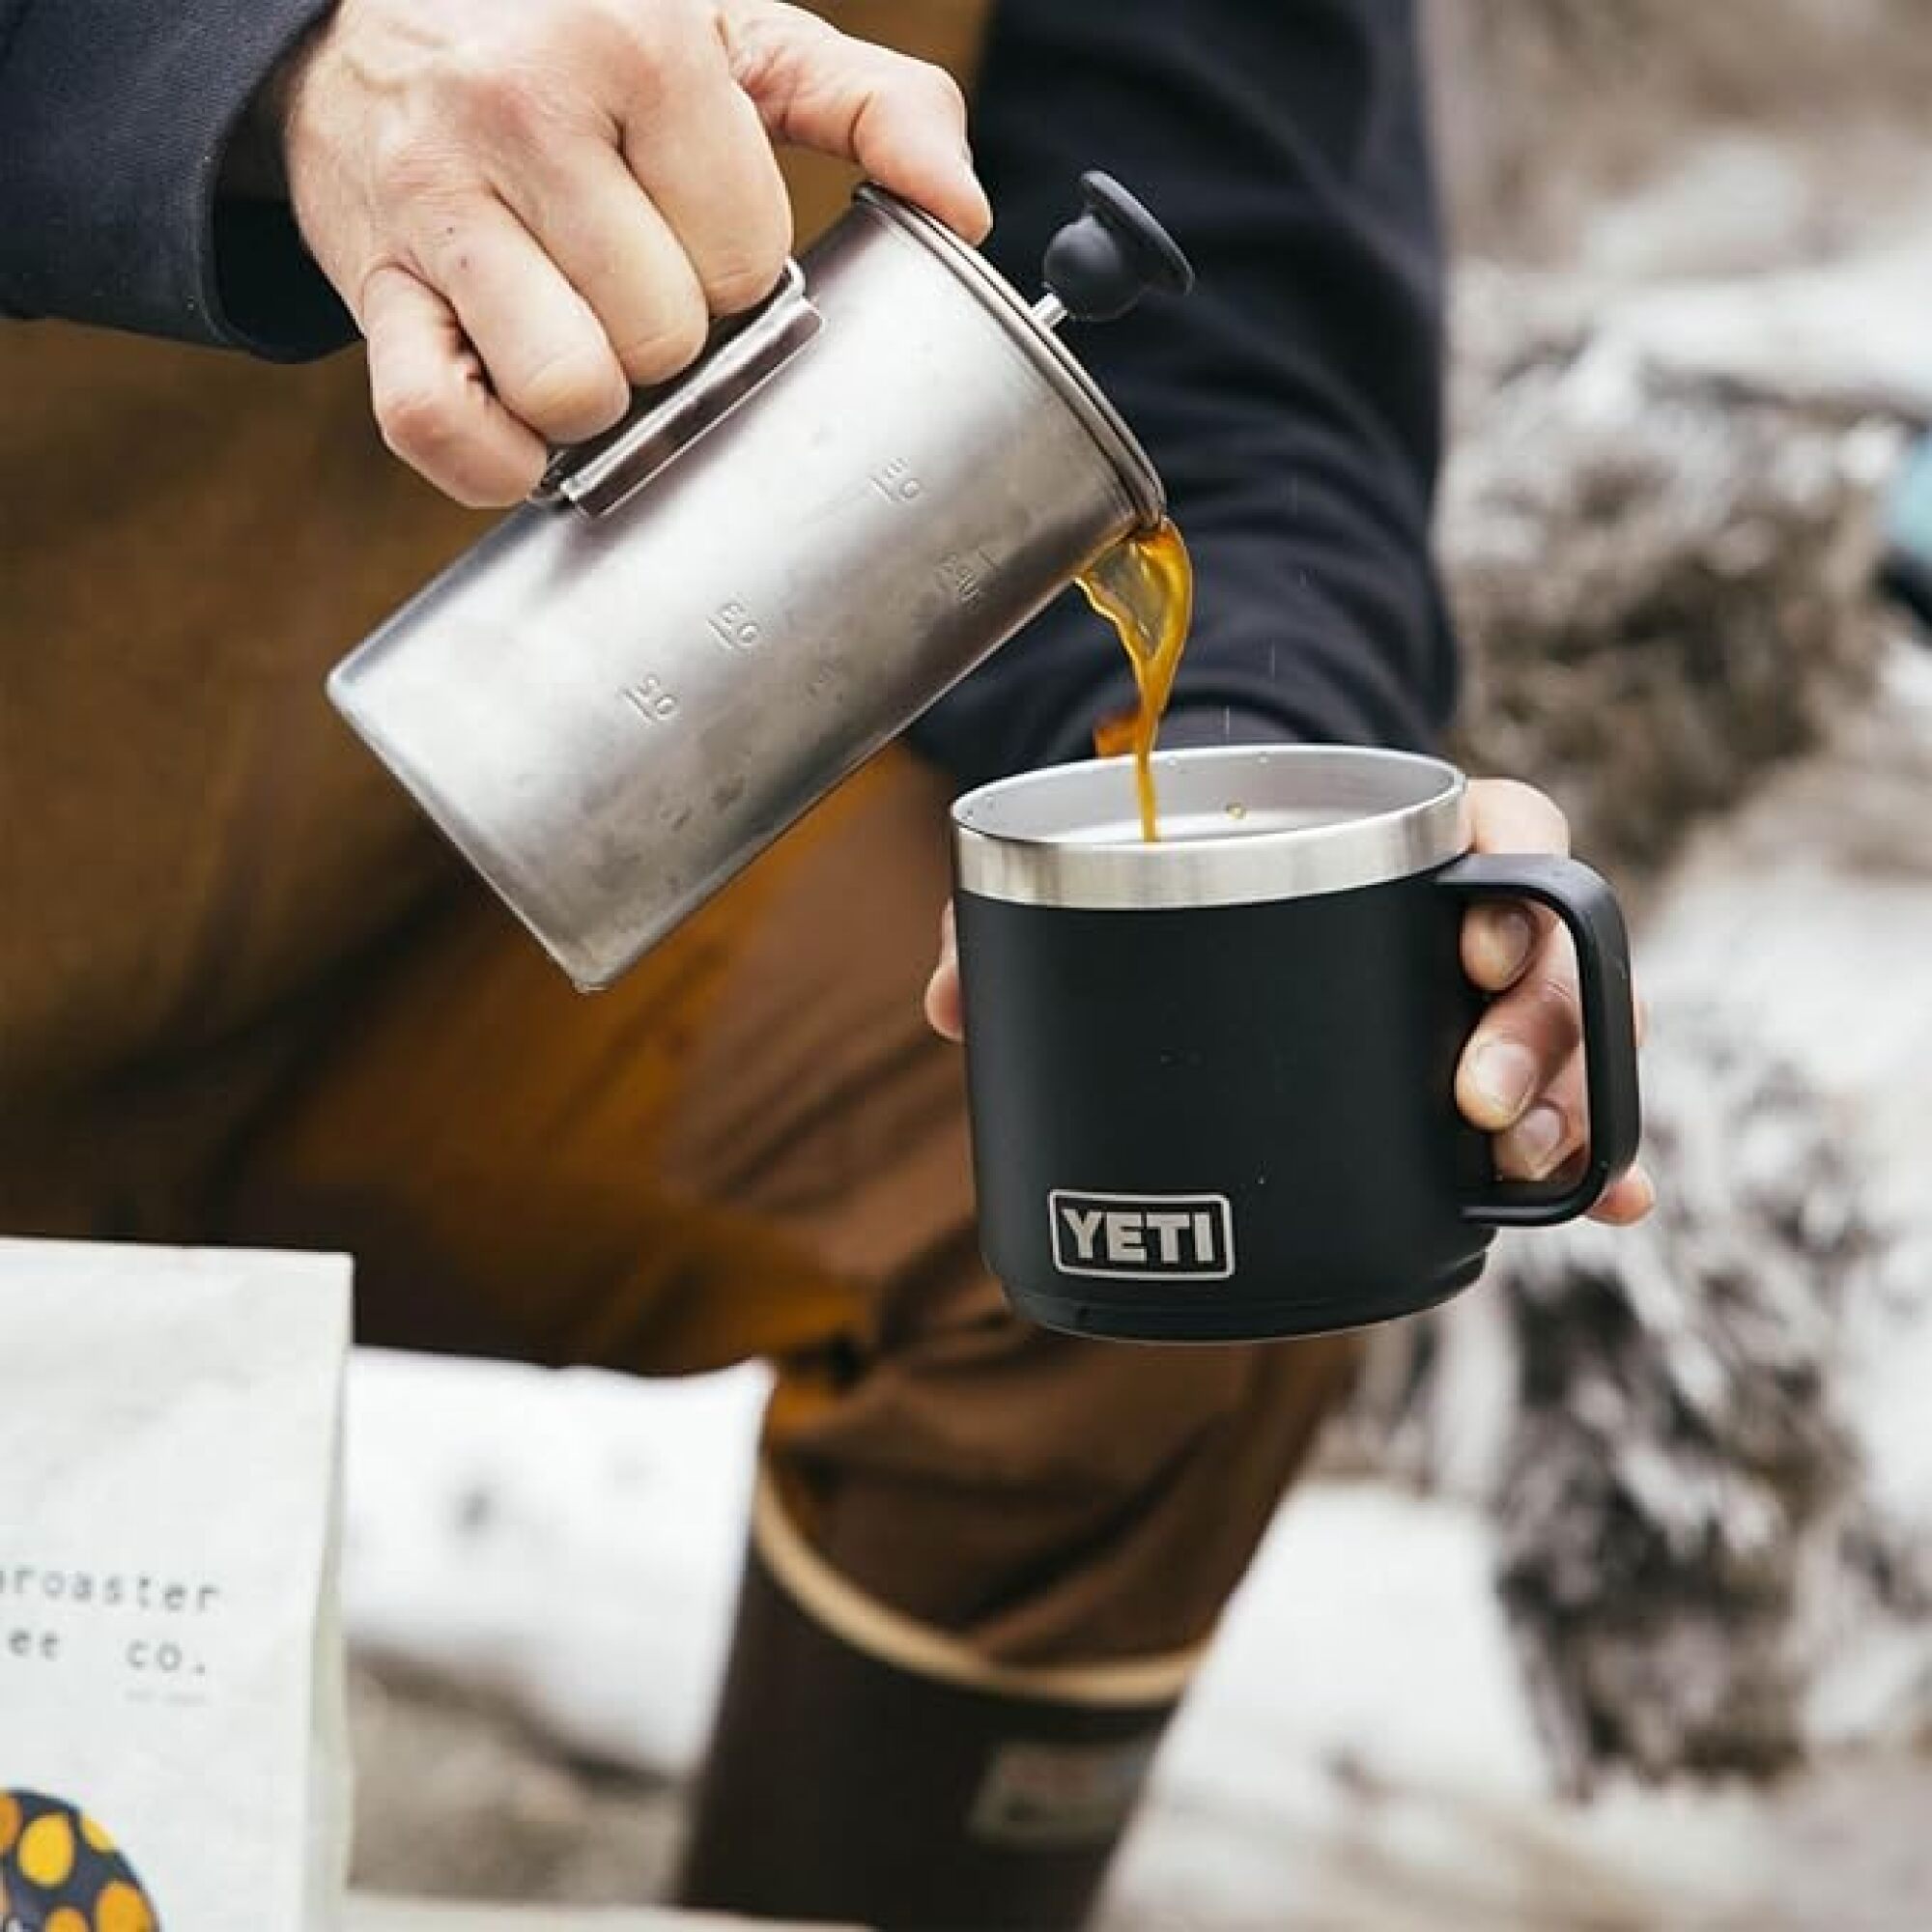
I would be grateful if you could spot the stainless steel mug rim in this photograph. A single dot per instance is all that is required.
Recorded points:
(1241, 825)
(1052, 357)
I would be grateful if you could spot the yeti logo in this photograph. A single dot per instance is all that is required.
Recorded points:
(1143, 1236)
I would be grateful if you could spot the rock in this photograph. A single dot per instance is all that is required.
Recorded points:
(1687, 1539)
(1706, 1442)
(1683, 1462)
(457, 1798)
(1662, 589)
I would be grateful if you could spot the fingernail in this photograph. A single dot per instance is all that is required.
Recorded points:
(1536, 1138)
(1510, 934)
(1504, 1074)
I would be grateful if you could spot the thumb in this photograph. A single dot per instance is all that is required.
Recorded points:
(903, 121)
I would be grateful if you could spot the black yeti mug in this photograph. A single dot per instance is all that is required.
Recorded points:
(1211, 1078)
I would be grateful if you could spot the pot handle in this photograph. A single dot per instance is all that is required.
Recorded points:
(1584, 903)
(744, 354)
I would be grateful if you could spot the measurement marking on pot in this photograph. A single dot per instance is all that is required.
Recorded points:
(734, 627)
(897, 483)
(964, 573)
(651, 700)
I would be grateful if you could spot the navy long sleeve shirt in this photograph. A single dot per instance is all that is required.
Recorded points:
(1292, 402)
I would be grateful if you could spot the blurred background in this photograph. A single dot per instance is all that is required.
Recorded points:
(1611, 1602)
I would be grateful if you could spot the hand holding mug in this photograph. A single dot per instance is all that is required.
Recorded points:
(1520, 1077)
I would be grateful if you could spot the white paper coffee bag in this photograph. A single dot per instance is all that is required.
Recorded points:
(172, 1743)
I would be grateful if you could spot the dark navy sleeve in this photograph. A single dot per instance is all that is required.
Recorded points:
(115, 117)
(1292, 402)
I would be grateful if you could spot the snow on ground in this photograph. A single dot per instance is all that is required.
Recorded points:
(566, 1544)
(1358, 1752)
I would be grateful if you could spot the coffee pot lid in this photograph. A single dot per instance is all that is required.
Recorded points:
(1099, 266)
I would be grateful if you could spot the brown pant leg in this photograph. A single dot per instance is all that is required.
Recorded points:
(498, 1149)
(190, 843)
(187, 835)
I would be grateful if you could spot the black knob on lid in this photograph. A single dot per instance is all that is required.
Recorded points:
(1102, 264)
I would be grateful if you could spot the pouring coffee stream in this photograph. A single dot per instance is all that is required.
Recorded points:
(1097, 268)
(1144, 586)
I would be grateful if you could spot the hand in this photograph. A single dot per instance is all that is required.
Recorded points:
(1520, 1077)
(530, 206)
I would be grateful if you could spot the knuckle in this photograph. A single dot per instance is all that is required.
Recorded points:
(506, 96)
(671, 344)
(1551, 1001)
(662, 49)
(746, 275)
(486, 484)
(662, 29)
(430, 422)
(419, 420)
(767, 52)
(1526, 805)
(936, 89)
(573, 393)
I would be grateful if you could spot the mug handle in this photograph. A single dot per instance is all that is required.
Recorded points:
(1584, 903)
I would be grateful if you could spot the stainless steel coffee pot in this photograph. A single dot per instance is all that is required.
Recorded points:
(708, 617)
